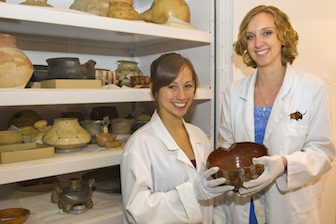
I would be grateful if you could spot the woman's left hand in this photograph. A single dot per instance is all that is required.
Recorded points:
(273, 167)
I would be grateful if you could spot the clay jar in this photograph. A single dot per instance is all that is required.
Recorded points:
(70, 68)
(161, 10)
(122, 9)
(15, 67)
(66, 134)
(125, 70)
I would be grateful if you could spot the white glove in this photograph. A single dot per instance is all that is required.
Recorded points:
(207, 189)
(273, 167)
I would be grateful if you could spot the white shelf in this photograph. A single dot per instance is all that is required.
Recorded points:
(90, 157)
(21, 97)
(107, 208)
(37, 28)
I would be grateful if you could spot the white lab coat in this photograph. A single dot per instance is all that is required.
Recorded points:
(306, 143)
(156, 176)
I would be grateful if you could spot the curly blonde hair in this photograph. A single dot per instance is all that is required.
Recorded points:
(285, 33)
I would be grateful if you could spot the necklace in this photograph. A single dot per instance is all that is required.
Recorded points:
(271, 97)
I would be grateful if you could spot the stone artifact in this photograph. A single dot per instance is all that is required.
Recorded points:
(75, 198)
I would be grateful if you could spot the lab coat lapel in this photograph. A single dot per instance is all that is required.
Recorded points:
(247, 94)
(167, 139)
(278, 110)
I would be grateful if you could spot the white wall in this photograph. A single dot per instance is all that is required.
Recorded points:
(315, 22)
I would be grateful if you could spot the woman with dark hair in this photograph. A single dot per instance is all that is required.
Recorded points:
(163, 168)
(284, 109)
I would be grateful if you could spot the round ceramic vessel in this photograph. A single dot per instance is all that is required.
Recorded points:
(66, 134)
(236, 165)
(15, 67)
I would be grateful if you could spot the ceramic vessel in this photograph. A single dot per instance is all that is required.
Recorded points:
(161, 10)
(66, 134)
(125, 70)
(14, 215)
(236, 164)
(15, 67)
(96, 7)
(70, 68)
(24, 118)
(41, 127)
(40, 73)
(105, 139)
(122, 9)
(36, 3)
(93, 127)
(75, 198)
(122, 126)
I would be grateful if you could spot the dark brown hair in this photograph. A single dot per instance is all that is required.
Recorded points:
(166, 68)
(285, 33)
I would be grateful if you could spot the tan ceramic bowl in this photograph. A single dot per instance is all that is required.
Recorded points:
(236, 165)
(13, 215)
(10, 137)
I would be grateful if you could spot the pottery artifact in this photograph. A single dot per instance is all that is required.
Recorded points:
(70, 68)
(15, 67)
(66, 134)
(122, 9)
(161, 10)
(235, 165)
(96, 7)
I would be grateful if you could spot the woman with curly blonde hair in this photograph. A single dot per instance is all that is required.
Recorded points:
(287, 111)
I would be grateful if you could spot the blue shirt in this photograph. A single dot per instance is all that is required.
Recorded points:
(261, 115)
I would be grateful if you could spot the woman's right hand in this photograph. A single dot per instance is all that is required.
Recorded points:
(206, 188)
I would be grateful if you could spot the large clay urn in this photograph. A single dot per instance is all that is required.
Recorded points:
(66, 134)
(15, 67)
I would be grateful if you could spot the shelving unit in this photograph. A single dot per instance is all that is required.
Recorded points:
(51, 26)
(60, 30)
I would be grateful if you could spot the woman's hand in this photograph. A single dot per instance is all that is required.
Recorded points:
(274, 166)
(206, 188)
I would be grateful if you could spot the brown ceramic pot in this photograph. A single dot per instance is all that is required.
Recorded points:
(236, 164)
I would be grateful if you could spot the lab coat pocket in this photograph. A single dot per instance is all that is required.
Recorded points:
(294, 135)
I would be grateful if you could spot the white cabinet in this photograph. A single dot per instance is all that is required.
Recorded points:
(51, 32)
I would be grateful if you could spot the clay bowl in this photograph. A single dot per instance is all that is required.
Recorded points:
(13, 215)
(236, 165)
(104, 138)
(10, 137)
(139, 80)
